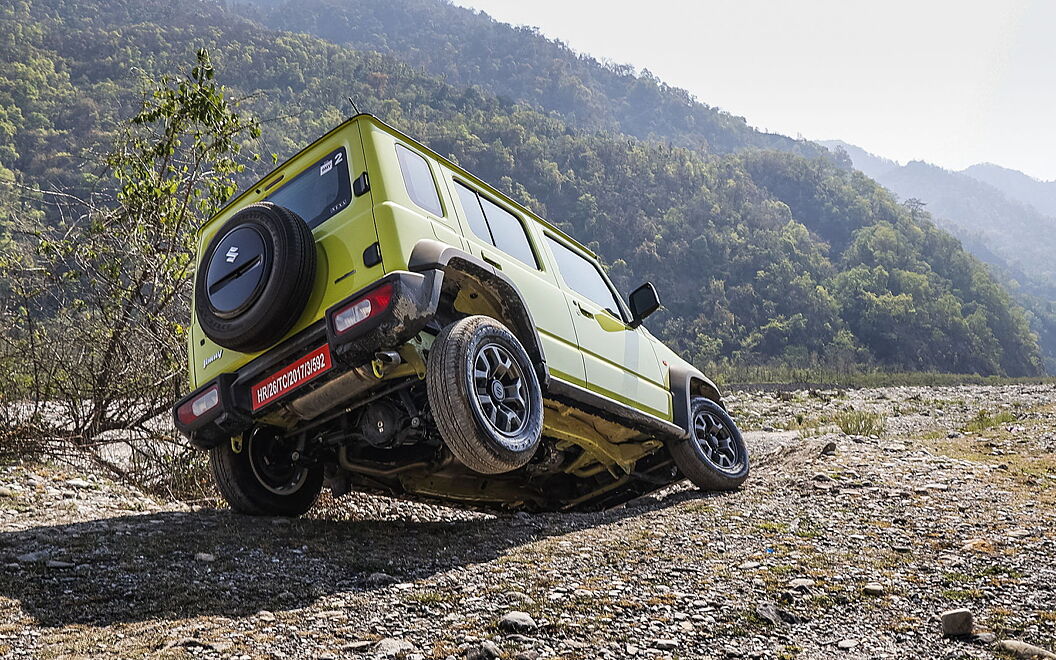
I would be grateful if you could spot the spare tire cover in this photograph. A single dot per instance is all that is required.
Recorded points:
(255, 278)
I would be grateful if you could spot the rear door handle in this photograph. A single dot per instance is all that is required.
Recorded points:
(583, 310)
(491, 261)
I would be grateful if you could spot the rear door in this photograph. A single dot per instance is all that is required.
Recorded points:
(619, 360)
(504, 238)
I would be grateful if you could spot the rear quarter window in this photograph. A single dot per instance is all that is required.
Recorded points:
(418, 179)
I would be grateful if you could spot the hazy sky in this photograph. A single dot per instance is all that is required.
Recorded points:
(950, 82)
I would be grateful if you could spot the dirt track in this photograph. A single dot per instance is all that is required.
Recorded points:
(930, 518)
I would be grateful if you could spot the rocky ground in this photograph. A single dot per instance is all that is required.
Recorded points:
(839, 546)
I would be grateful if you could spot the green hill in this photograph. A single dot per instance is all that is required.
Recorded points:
(762, 256)
(999, 226)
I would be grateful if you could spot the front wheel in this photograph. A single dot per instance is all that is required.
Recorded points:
(714, 457)
(266, 476)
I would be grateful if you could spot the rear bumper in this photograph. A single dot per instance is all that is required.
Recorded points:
(414, 301)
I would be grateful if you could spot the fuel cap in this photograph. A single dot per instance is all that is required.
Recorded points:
(237, 271)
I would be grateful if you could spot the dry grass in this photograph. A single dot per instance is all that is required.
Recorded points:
(857, 422)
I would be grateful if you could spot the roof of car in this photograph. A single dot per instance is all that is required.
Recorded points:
(403, 136)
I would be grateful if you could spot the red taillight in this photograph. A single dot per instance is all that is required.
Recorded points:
(369, 305)
(199, 405)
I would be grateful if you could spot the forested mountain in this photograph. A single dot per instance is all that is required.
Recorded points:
(1004, 230)
(760, 255)
(1018, 186)
(468, 48)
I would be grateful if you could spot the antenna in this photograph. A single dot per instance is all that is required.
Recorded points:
(354, 106)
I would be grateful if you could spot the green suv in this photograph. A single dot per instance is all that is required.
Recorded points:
(372, 317)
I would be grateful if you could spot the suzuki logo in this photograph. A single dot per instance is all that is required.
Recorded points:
(232, 254)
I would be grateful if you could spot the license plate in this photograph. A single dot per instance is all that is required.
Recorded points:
(291, 377)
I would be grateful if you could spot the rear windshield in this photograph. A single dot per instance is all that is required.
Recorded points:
(318, 192)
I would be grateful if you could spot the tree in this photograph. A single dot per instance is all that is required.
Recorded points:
(97, 298)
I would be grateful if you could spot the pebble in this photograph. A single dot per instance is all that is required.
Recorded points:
(486, 650)
(847, 644)
(31, 557)
(54, 563)
(80, 484)
(381, 579)
(874, 589)
(801, 584)
(666, 644)
(204, 556)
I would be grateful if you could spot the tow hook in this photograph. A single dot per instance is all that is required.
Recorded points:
(236, 444)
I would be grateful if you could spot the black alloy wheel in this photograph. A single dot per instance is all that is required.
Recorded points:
(501, 394)
(484, 395)
(714, 456)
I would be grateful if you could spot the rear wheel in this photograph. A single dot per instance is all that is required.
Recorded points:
(266, 477)
(484, 395)
(714, 457)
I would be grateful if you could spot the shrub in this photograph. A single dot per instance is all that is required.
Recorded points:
(857, 422)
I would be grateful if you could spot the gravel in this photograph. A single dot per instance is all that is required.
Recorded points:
(935, 514)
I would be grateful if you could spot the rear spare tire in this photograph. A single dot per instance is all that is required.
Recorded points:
(484, 395)
(255, 278)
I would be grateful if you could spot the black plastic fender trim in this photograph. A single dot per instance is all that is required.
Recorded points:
(682, 378)
(429, 254)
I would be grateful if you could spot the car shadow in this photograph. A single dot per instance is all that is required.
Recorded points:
(175, 565)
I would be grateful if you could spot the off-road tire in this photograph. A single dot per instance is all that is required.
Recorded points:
(691, 457)
(244, 491)
(289, 262)
(464, 425)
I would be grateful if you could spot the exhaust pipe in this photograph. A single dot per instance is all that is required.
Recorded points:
(336, 392)
(388, 359)
(344, 387)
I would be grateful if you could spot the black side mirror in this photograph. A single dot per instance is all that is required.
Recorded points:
(644, 302)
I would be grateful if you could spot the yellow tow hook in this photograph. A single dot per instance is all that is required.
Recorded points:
(236, 444)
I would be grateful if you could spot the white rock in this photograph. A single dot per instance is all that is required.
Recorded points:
(517, 622)
(390, 647)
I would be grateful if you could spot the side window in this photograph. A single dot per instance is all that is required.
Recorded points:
(496, 225)
(508, 232)
(471, 205)
(583, 277)
(418, 179)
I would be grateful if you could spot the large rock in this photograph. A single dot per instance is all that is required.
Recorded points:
(517, 622)
(391, 648)
(1024, 650)
(956, 623)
